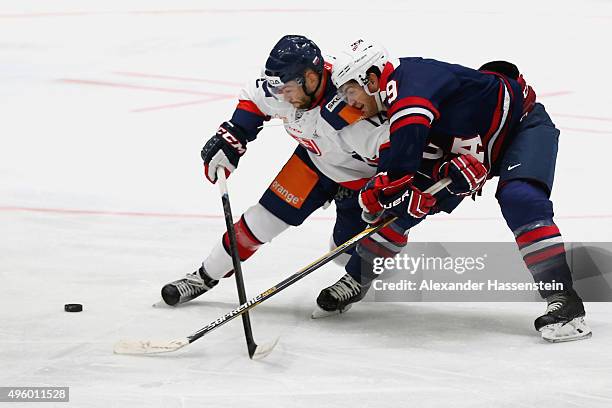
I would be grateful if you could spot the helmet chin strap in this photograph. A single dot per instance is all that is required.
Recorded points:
(379, 102)
(377, 97)
(312, 94)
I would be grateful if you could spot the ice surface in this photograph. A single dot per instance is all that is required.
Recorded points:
(103, 111)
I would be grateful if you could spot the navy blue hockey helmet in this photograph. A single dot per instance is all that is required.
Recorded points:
(290, 57)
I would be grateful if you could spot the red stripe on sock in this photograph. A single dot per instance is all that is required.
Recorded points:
(245, 240)
(533, 259)
(538, 234)
(393, 236)
(377, 248)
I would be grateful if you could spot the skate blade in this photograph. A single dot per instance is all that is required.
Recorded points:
(573, 330)
(319, 313)
(162, 305)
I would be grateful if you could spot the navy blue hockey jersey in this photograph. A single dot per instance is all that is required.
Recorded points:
(436, 109)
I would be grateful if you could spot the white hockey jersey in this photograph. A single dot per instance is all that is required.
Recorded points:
(343, 146)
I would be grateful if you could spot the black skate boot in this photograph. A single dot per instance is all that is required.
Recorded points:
(564, 318)
(338, 297)
(188, 288)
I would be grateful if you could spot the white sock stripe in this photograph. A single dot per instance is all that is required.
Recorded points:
(379, 238)
(385, 243)
(263, 224)
(536, 246)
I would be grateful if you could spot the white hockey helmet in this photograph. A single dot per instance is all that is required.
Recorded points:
(354, 62)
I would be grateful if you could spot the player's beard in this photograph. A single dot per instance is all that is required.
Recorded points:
(303, 103)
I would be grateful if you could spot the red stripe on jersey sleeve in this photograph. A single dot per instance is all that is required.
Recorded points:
(410, 120)
(384, 146)
(249, 106)
(415, 101)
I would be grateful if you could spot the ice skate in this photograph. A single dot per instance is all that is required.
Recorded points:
(338, 298)
(564, 318)
(188, 288)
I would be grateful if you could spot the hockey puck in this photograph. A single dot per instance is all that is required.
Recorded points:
(73, 307)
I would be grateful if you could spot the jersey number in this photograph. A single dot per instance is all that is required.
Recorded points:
(391, 91)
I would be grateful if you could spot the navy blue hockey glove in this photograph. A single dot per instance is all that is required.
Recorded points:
(224, 149)
(400, 197)
(466, 172)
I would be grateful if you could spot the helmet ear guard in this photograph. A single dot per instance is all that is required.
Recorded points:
(376, 71)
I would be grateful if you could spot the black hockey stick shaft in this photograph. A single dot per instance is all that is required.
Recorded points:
(351, 243)
(233, 246)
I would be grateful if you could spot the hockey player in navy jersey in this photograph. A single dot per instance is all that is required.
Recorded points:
(468, 125)
(332, 162)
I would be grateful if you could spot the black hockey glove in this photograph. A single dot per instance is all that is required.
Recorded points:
(224, 149)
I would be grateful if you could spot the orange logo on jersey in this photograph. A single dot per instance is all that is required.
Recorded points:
(294, 182)
(350, 114)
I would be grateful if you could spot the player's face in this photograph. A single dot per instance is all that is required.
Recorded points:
(356, 96)
(293, 93)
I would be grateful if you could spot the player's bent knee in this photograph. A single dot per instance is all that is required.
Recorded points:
(264, 225)
(523, 202)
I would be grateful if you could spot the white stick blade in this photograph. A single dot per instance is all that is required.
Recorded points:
(138, 347)
(263, 350)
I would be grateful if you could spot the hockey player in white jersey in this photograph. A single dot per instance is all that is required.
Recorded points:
(332, 162)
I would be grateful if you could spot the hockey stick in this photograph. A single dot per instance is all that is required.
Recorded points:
(255, 351)
(156, 347)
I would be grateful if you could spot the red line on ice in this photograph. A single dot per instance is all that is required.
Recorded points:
(558, 93)
(72, 211)
(179, 105)
(603, 132)
(141, 87)
(175, 78)
(102, 212)
(565, 115)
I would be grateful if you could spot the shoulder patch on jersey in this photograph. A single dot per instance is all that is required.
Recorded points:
(342, 114)
(333, 103)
